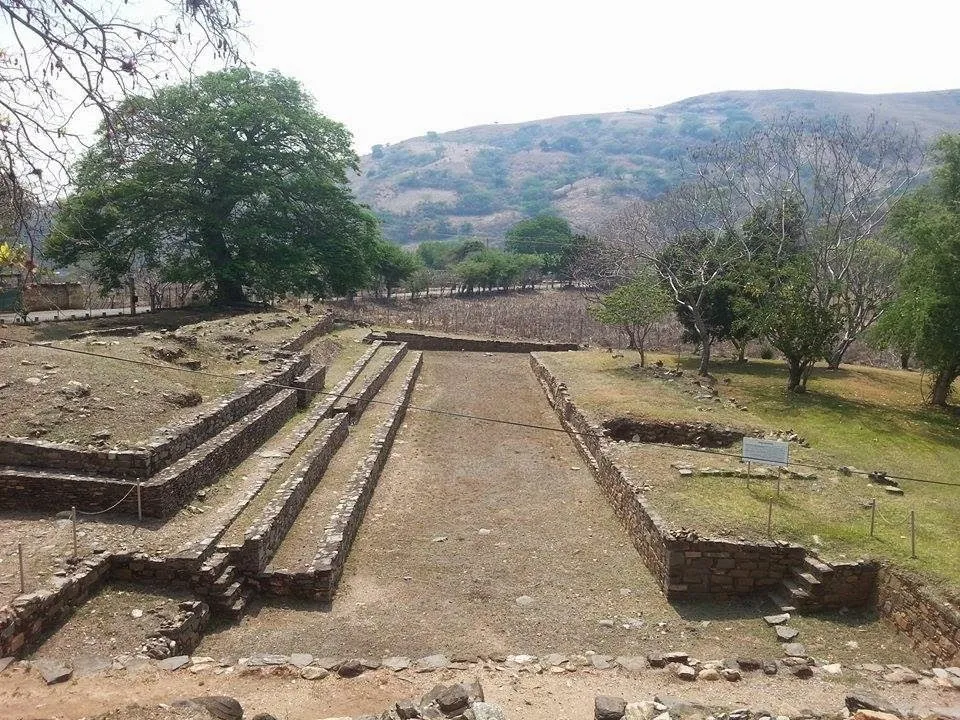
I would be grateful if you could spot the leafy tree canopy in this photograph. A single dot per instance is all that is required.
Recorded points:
(233, 180)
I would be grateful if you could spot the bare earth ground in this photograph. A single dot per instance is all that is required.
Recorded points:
(469, 516)
(527, 697)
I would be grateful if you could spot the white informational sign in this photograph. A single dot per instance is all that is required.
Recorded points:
(768, 452)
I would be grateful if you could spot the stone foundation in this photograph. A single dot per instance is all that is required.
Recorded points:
(931, 622)
(423, 341)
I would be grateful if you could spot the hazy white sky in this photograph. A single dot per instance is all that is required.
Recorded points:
(390, 70)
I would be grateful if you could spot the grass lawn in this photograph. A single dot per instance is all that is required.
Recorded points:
(867, 418)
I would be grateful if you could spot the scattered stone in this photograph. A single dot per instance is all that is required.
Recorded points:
(832, 669)
(187, 398)
(684, 672)
(644, 710)
(632, 665)
(351, 668)
(676, 657)
(313, 673)
(874, 715)
(769, 667)
(453, 698)
(75, 389)
(220, 706)
(601, 662)
(432, 662)
(32, 381)
(53, 671)
(794, 650)
(778, 619)
(301, 660)
(785, 633)
(655, 660)
(865, 701)
(525, 601)
(902, 675)
(407, 709)
(396, 663)
(91, 665)
(136, 613)
(802, 671)
(730, 674)
(749, 664)
(174, 663)
(486, 711)
(708, 674)
(606, 707)
(606, 623)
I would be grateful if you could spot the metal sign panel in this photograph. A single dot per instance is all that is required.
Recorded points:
(769, 452)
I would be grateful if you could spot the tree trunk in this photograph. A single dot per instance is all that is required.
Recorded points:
(705, 342)
(942, 385)
(741, 350)
(133, 297)
(905, 360)
(796, 383)
(836, 355)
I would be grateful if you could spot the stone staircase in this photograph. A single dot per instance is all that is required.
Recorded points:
(803, 590)
(223, 588)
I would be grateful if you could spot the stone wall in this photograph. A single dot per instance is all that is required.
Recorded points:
(309, 384)
(931, 622)
(423, 341)
(686, 566)
(161, 495)
(321, 327)
(265, 535)
(29, 617)
(167, 444)
(848, 584)
(319, 580)
(357, 399)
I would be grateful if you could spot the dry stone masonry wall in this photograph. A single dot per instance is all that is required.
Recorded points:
(931, 622)
(319, 580)
(422, 341)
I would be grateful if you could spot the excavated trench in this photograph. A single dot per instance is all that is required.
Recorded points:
(704, 435)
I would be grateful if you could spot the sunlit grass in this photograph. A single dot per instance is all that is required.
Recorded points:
(862, 417)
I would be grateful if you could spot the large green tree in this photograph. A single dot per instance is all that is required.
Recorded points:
(551, 238)
(634, 307)
(926, 316)
(233, 180)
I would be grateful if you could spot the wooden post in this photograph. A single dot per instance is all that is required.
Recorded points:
(73, 517)
(770, 519)
(913, 534)
(873, 516)
(20, 562)
(139, 505)
(778, 486)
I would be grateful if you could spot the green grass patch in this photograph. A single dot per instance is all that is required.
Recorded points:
(863, 417)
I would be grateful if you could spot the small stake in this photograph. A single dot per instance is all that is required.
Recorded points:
(73, 513)
(873, 516)
(913, 534)
(770, 518)
(778, 486)
(139, 505)
(20, 560)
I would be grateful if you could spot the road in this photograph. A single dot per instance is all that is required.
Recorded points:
(51, 315)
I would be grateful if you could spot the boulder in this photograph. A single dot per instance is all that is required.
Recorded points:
(351, 668)
(684, 672)
(221, 707)
(453, 699)
(785, 633)
(606, 707)
(794, 650)
(53, 671)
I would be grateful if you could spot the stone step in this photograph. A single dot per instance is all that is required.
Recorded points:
(795, 592)
(781, 603)
(224, 581)
(807, 581)
(816, 567)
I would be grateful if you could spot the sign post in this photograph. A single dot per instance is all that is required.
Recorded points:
(765, 452)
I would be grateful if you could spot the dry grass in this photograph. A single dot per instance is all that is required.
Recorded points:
(868, 418)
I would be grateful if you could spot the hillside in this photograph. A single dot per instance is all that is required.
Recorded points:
(480, 180)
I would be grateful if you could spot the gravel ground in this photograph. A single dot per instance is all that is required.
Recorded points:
(527, 697)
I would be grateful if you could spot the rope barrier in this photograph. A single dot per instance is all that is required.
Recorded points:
(101, 512)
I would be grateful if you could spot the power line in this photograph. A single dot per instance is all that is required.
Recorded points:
(465, 416)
